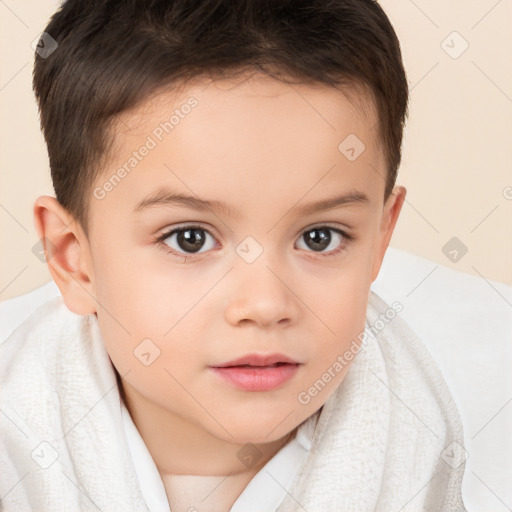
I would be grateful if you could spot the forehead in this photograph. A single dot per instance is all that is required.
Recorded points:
(257, 95)
(241, 140)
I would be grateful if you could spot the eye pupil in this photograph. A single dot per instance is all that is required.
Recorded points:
(191, 239)
(318, 239)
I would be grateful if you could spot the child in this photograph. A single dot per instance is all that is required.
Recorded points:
(225, 194)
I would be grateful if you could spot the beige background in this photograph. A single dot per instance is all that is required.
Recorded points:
(457, 148)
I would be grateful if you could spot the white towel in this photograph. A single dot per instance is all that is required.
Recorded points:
(389, 439)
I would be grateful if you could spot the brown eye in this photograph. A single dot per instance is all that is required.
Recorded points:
(190, 240)
(187, 240)
(324, 239)
(318, 239)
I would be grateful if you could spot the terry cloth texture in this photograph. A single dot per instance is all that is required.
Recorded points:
(388, 439)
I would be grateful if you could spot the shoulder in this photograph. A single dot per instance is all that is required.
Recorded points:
(34, 345)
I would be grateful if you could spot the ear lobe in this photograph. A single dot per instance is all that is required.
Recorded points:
(66, 249)
(390, 216)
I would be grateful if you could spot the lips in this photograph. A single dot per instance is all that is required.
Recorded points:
(269, 360)
(257, 372)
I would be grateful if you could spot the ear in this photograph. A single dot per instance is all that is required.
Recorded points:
(390, 214)
(67, 254)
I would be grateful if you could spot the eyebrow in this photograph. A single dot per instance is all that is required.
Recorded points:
(165, 197)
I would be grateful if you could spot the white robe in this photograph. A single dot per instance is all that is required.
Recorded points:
(388, 439)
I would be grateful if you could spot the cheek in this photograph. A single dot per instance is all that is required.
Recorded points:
(344, 322)
(342, 301)
(132, 291)
(341, 313)
(149, 320)
(336, 346)
(157, 353)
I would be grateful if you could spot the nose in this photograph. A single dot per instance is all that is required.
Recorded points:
(262, 295)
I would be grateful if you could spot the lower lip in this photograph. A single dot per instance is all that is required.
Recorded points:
(257, 378)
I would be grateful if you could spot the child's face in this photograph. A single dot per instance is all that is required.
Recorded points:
(262, 280)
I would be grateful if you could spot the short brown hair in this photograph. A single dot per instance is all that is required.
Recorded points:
(113, 54)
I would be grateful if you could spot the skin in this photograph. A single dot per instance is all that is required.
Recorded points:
(266, 148)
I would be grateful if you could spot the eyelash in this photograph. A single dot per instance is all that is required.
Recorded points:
(159, 241)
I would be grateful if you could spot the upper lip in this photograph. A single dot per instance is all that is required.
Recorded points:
(258, 360)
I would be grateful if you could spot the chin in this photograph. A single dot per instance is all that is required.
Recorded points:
(255, 432)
